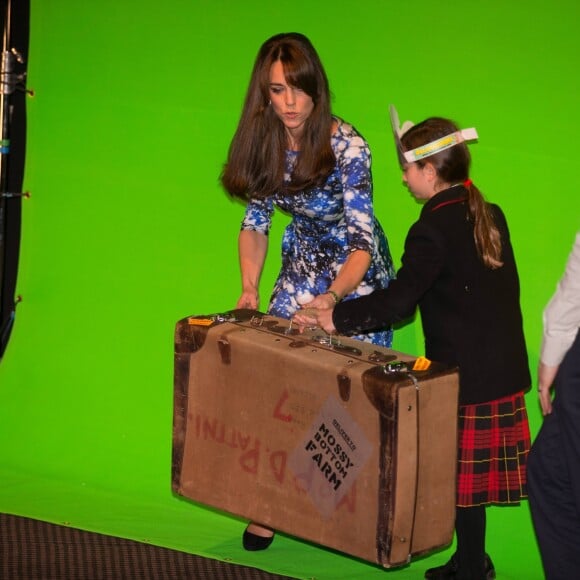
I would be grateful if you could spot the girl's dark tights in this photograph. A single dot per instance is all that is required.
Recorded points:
(470, 531)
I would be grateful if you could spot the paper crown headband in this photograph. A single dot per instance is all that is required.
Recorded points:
(430, 148)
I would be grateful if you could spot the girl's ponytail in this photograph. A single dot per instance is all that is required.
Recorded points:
(485, 232)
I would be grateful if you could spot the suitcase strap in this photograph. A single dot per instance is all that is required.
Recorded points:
(399, 454)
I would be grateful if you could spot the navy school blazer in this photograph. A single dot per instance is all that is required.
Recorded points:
(471, 314)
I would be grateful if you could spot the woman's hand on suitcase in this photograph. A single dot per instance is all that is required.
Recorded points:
(248, 299)
(319, 302)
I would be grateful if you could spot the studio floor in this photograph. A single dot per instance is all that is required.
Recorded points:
(53, 529)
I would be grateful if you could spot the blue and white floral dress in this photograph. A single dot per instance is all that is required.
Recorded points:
(328, 223)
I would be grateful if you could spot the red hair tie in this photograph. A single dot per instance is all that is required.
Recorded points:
(467, 182)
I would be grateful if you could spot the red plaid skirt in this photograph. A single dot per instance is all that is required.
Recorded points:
(494, 441)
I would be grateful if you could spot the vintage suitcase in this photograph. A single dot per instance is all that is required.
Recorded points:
(334, 441)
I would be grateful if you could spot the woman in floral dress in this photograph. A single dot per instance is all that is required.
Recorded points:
(290, 152)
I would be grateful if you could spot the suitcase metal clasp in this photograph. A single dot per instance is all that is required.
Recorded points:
(396, 367)
(328, 341)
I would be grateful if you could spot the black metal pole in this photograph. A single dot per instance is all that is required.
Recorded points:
(15, 17)
(5, 83)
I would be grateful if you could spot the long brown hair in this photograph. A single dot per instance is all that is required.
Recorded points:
(255, 164)
(452, 166)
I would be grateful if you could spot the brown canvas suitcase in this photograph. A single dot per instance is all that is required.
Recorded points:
(333, 441)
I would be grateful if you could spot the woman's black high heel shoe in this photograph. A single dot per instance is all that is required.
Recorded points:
(253, 542)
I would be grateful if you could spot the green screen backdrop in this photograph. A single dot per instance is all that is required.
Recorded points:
(127, 229)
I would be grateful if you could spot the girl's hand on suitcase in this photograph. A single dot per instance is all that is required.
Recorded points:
(308, 317)
(305, 318)
(324, 317)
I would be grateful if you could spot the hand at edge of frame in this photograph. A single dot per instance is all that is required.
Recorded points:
(546, 376)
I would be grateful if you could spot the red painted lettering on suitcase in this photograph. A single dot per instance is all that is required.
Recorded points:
(348, 501)
(250, 459)
(278, 409)
(278, 465)
(217, 431)
(212, 429)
